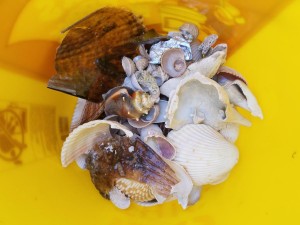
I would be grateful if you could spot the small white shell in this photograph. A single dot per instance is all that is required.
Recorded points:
(208, 66)
(81, 139)
(128, 66)
(204, 153)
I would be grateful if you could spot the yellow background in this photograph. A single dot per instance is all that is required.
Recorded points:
(264, 188)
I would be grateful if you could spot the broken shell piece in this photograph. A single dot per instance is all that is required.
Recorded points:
(141, 62)
(119, 199)
(196, 54)
(194, 195)
(157, 72)
(128, 104)
(144, 52)
(208, 42)
(85, 111)
(162, 116)
(226, 74)
(230, 132)
(173, 63)
(127, 83)
(208, 66)
(152, 136)
(189, 31)
(128, 66)
(210, 104)
(148, 83)
(204, 153)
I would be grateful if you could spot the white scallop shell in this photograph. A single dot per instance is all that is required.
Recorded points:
(230, 132)
(209, 104)
(81, 140)
(204, 153)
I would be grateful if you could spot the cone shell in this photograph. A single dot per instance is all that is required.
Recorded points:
(173, 62)
(204, 153)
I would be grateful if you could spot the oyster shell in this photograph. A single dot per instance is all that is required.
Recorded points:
(204, 153)
(210, 104)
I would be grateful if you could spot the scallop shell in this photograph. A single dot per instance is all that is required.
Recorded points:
(128, 66)
(190, 28)
(210, 104)
(135, 190)
(204, 153)
(208, 66)
(141, 62)
(85, 111)
(81, 140)
(173, 62)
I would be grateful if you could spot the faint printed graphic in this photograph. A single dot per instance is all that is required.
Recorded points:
(12, 132)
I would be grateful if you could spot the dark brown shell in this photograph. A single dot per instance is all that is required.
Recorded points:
(112, 160)
(88, 61)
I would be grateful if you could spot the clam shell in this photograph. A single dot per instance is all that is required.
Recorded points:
(128, 66)
(204, 153)
(173, 62)
(152, 136)
(208, 66)
(209, 104)
(135, 190)
(85, 111)
(82, 139)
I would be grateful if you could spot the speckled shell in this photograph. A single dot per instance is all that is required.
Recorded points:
(204, 153)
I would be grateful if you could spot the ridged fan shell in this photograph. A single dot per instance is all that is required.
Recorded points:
(204, 153)
(135, 190)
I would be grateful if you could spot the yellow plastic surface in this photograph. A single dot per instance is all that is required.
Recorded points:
(264, 188)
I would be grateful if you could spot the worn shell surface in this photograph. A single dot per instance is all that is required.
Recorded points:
(204, 153)
(85, 111)
(230, 132)
(210, 104)
(141, 62)
(189, 28)
(173, 62)
(88, 61)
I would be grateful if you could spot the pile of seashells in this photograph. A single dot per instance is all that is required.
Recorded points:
(169, 129)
